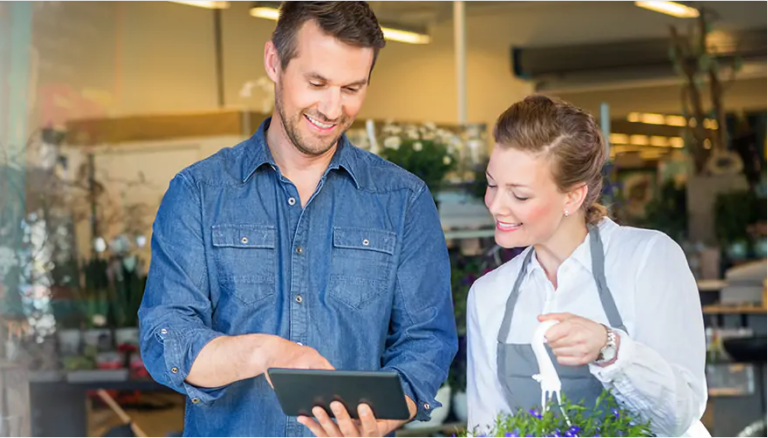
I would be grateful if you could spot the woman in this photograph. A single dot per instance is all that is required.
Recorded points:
(628, 307)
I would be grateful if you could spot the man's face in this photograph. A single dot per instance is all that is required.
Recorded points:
(322, 89)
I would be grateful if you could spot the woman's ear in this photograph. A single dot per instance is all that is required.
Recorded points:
(575, 197)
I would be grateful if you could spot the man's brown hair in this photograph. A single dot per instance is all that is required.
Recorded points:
(353, 23)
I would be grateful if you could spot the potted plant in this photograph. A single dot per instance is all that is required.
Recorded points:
(735, 213)
(607, 418)
(94, 302)
(128, 289)
(426, 151)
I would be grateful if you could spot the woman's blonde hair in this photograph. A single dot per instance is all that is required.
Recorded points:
(568, 136)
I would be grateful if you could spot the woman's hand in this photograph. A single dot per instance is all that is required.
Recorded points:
(576, 341)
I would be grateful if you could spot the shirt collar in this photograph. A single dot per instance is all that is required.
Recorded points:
(257, 154)
(582, 255)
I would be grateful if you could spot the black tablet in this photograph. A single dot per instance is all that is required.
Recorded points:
(301, 390)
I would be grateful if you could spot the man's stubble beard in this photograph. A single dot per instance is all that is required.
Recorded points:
(292, 129)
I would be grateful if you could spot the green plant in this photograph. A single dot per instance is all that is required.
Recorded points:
(425, 151)
(606, 418)
(93, 298)
(667, 213)
(128, 291)
(85, 361)
(734, 213)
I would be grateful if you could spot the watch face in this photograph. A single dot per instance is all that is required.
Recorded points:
(608, 353)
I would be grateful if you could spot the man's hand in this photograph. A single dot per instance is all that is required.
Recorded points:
(287, 354)
(367, 425)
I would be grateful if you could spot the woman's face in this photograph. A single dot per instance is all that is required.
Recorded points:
(523, 198)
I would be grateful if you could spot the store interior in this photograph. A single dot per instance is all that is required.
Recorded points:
(107, 101)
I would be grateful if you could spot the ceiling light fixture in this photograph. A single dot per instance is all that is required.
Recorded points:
(272, 12)
(204, 4)
(268, 12)
(670, 8)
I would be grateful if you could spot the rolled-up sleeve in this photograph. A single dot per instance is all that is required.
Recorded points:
(175, 313)
(422, 340)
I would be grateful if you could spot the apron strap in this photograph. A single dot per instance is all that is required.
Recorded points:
(512, 300)
(598, 271)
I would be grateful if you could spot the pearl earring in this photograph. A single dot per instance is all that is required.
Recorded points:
(566, 213)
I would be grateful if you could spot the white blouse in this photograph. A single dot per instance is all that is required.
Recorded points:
(660, 370)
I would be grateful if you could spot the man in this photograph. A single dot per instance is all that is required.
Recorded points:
(295, 249)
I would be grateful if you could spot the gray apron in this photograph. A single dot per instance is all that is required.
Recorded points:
(516, 363)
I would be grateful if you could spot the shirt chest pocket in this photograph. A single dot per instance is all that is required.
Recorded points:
(245, 258)
(362, 265)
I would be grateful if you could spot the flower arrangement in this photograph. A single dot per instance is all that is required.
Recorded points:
(607, 418)
(426, 151)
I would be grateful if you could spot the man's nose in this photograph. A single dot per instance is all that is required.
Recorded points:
(330, 106)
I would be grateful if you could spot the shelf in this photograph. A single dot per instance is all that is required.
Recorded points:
(711, 285)
(720, 309)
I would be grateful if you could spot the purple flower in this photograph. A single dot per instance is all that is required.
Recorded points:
(615, 412)
(573, 431)
(535, 413)
(511, 434)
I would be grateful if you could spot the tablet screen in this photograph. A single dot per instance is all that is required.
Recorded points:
(300, 390)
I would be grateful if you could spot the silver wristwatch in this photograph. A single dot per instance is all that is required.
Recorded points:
(608, 352)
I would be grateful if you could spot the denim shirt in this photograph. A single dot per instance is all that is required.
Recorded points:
(361, 274)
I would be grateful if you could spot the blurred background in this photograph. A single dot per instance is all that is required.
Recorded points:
(102, 103)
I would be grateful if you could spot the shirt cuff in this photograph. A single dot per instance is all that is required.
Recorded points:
(181, 350)
(612, 372)
(424, 408)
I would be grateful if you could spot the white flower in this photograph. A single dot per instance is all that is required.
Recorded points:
(392, 143)
(446, 160)
(7, 261)
(100, 245)
(99, 320)
(391, 128)
(418, 146)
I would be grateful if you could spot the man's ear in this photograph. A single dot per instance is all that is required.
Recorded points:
(271, 61)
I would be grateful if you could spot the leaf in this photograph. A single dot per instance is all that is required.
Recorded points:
(738, 64)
